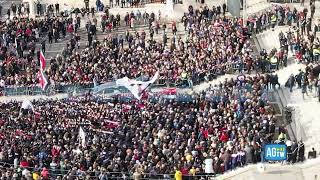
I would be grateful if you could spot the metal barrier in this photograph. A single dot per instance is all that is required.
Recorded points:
(50, 90)
(111, 87)
(54, 173)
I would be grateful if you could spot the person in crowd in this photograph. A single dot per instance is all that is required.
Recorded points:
(301, 152)
(290, 83)
(14, 9)
(57, 7)
(39, 7)
(203, 32)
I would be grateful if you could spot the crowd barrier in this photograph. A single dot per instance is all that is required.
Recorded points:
(54, 173)
(111, 87)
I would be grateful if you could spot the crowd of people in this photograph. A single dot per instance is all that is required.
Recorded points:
(308, 80)
(19, 52)
(214, 44)
(17, 10)
(88, 137)
(222, 128)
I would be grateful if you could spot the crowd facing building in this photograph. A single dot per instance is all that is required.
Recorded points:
(191, 135)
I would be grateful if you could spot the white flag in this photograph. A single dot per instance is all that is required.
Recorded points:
(82, 137)
(26, 104)
(136, 87)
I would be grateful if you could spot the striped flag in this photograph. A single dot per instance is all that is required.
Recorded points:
(43, 82)
(42, 61)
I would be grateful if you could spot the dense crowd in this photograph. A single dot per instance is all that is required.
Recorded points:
(209, 48)
(214, 45)
(19, 45)
(222, 128)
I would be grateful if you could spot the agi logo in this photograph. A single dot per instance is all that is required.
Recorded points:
(275, 152)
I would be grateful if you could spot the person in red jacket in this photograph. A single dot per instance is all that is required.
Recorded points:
(224, 137)
(45, 173)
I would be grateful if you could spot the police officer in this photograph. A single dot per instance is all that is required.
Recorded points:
(301, 149)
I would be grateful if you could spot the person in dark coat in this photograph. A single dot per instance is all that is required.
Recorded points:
(301, 150)
(50, 36)
(294, 150)
(8, 13)
(90, 38)
(312, 154)
(291, 82)
(249, 154)
(165, 39)
(274, 80)
(38, 8)
(14, 9)
(304, 85)
(57, 8)
(43, 46)
(224, 8)
(299, 78)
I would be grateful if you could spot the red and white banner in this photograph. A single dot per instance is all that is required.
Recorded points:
(42, 61)
(43, 82)
(169, 91)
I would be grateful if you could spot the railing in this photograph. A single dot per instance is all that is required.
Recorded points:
(54, 173)
(195, 79)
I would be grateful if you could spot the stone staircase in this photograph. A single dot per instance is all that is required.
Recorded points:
(56, 48)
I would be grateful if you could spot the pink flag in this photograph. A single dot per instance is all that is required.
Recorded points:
(42, 61)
